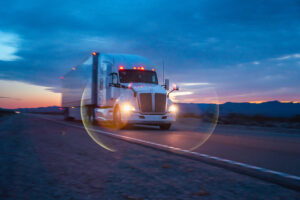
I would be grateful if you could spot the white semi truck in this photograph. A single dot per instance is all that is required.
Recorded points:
(118, 88)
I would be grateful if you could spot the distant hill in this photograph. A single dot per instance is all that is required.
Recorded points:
(269, 109)
(51, 109)
(4, 112)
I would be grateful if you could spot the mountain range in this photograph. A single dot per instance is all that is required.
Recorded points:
(268, 109)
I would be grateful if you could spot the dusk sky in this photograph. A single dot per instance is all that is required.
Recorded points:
(243, 51)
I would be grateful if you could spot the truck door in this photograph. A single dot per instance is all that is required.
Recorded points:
(110, 100)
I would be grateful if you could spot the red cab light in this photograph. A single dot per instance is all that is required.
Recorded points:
(121, 67)
(174, 86)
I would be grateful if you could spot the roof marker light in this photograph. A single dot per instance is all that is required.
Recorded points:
(134, 67)
(94, 53)
(153, 69)
(142, 68)
(121, 67)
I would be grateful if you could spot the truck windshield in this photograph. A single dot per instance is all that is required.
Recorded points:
(137, 76)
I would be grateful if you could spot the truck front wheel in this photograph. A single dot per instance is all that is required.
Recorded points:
(117, 120)
(165, 126)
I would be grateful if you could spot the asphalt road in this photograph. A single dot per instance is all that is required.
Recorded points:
(271, 148)
(44, 159)
(276, 149)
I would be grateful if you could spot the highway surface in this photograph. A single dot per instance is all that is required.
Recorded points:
(45, 158)
(271, 148)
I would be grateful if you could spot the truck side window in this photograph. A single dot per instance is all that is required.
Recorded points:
(113, 79)
(154, 79)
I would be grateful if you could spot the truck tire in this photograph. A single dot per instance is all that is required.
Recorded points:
(165, 126)
(117, 121)
(91, 115)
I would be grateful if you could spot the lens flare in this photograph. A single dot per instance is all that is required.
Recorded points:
(197, 113)
(86, 121)
(195, 108)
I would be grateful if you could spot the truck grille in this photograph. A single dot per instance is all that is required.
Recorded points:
(146, 102)
(160, 102)
(147, 106)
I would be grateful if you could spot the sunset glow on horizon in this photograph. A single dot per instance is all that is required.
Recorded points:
(16, 94)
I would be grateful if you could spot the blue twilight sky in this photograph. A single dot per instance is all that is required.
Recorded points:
(244, 50)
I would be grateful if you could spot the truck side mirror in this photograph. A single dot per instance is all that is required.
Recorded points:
(167, 84)
(175, 87)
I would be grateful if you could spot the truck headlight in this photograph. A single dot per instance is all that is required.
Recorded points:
(128, 107)
(173, 109)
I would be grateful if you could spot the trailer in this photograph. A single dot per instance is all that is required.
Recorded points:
(120, 89)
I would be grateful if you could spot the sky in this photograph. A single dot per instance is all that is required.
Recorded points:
(216, 51)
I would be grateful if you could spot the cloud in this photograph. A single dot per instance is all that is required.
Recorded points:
(194, 84)
(9, 43)
(287, 57)
(200, 41)
(11, 98)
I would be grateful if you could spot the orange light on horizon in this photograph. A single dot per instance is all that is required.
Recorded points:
(285, 101)
(256, 102)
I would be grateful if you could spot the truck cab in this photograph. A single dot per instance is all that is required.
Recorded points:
(129, 93)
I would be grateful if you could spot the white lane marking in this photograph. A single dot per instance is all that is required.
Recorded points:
(264, 170)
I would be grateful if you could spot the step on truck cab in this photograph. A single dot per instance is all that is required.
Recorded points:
(118, 88)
